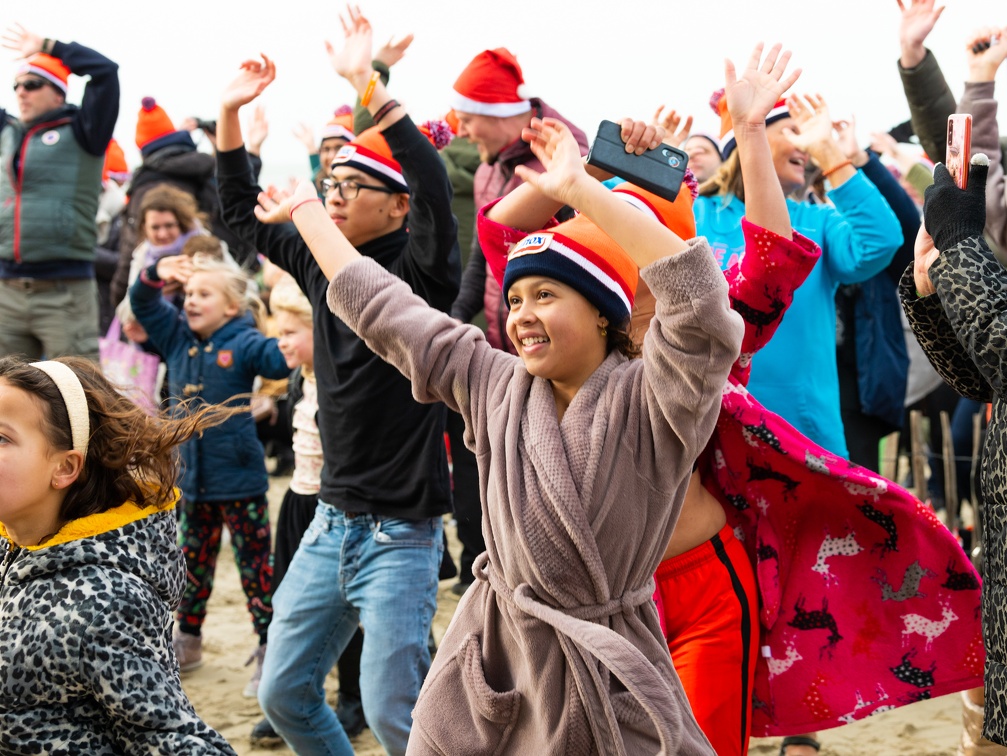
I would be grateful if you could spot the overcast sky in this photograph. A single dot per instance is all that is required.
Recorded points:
(590, 59)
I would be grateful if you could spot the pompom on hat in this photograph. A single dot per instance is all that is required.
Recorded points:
(340, 126)
(492, 84)
(155, 130)
(719, 104)
(579, 254)
(369, 153)
(49, 68)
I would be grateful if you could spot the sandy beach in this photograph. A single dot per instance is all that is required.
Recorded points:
(928, 728)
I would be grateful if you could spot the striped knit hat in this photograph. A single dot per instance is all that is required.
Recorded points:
(370, 153)
(492, 84)
(340, 126)
(49, 68)
(579, 254)
(719, 104)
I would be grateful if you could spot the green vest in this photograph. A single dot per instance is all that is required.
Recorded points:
(49, 214)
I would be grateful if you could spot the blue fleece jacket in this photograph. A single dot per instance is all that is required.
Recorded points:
(226, 462)
(795, 374)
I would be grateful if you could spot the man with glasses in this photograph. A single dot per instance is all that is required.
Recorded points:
(52, 157)
(372, 553)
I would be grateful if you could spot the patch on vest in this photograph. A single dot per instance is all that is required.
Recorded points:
(225, 358)
(531, 245)
(50, 138)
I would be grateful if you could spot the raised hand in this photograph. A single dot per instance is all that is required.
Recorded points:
(674, 135)
(760, 86)
(390, 53)
(22, 41)
(255, 76)
(917, 22)
(985, 50)
(174, 268)
(258, 130)
(306, 137)
(640, 136)
(814, 124)
(353, 60)
(275, 205)
(846, 135)
(555, 147)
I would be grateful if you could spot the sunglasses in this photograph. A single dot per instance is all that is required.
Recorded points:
(29, 85)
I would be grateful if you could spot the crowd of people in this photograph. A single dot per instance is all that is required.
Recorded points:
(654, 416)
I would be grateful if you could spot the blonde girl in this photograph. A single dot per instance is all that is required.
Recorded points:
(214, 351)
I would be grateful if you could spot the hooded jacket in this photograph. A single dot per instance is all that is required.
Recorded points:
(86, 664)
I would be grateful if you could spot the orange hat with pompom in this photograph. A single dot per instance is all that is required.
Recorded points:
(155, 130)
(340, 126)
(370, 153)
(115, 163)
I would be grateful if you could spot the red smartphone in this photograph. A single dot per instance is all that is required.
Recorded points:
(959, 147)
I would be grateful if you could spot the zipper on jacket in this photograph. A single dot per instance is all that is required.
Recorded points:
(8, 560)
(20, 183)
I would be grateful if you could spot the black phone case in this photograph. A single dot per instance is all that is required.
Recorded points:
(660, 170)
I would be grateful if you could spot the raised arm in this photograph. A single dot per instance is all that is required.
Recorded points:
(750, 98)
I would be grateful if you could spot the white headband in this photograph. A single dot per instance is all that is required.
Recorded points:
(72, 391)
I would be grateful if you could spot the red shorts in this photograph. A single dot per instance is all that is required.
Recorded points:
(708, 604)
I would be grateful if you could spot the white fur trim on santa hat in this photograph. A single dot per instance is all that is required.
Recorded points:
(463, 104)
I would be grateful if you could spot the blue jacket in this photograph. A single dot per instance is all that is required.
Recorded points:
(227, 461)
(795, 374)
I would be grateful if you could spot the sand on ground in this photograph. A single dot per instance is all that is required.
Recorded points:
(928, 728)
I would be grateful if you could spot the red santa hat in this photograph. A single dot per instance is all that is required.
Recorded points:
(49, 68)
(492, 84)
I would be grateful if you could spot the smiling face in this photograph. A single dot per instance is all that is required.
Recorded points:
(296, 339)
(371, 214)
(29, 502)
(161, 227)
(704, 160)
(207, 306)
(787, 159)
(556, 331)
(491, 134)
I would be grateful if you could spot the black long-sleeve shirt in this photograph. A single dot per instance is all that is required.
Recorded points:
(383, 452)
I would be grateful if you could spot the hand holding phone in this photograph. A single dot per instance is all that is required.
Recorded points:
(660, 170)
(959, 147)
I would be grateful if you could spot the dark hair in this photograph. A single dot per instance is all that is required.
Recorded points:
(618, 339)
(130, 455)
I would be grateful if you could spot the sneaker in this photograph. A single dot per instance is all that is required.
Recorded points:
(350, 712)
(188, 650)
(252, 688)
(264, 736)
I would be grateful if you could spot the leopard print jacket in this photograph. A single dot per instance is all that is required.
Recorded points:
(86, 663)
(963, 330)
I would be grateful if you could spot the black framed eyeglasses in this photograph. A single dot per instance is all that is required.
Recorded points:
(350, 189)
(29, 85)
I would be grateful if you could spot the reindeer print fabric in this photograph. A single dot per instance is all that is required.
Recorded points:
(963, 332)
(867, 600)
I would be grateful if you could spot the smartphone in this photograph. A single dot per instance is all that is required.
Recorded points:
(660, 170)
(959, 147)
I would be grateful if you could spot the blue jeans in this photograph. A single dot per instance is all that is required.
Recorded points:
(370, 570)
